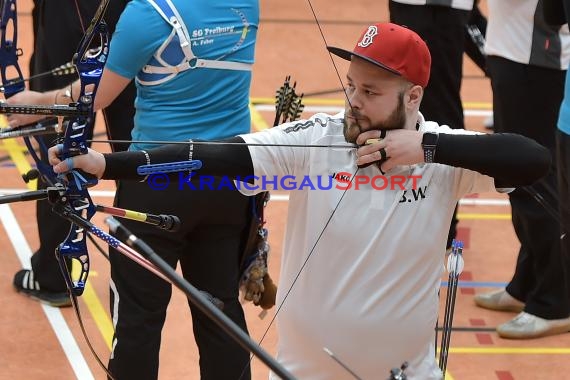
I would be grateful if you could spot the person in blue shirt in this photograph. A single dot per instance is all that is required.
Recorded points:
(191, 62)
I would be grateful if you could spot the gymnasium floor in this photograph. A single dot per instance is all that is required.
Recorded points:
(40, 342)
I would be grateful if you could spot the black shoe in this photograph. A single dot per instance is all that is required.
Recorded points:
(24, 283)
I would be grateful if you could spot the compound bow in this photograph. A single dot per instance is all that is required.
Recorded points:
(69, 192)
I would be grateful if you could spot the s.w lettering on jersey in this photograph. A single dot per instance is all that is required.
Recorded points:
(414, 195)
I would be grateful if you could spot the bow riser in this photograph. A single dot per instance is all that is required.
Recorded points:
(77, 200)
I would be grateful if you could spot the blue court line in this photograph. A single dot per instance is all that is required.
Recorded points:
(477, 284)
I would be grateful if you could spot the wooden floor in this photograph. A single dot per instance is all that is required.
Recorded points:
(39, 342)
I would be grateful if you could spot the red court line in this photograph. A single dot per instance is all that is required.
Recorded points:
(466, 276)
(484, 339)
(504, 375)
(477, 322)
(464, 234)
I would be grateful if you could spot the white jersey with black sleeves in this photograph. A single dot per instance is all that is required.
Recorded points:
(518, 32)
(369, 290)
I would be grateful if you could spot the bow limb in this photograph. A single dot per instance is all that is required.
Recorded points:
(13, 80)
(9, 52)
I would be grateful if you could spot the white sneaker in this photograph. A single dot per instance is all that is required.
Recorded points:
(528, 326)
(499, 300)
(489, 122)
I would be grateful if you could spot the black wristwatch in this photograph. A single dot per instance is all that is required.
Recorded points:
(429, 143)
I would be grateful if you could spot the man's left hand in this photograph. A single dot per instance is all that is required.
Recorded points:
(398, 147)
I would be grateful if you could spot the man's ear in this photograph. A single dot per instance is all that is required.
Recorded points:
(414, 96)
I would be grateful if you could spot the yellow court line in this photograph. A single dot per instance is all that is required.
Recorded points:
(102, 320)
(306, 101)
(16, 153)
(478, 105)
(95, 307)
(13, 147)
(19, 159)
(340, 102)
(483, 216)
(100, 316)
(257, 120)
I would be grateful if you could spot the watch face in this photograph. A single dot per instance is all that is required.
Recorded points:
(429, 143)
(429, 138)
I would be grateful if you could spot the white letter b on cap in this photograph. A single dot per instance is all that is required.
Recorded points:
(368, 37)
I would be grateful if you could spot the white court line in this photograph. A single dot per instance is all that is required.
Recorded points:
(484, 202)
(53, 314)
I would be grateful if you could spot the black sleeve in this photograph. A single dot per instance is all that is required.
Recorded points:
(512, 159)
(554, 13)
(229, 157)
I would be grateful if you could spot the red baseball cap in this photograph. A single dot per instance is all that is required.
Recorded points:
(394, 48)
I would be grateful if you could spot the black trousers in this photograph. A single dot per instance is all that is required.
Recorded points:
(208, 248)
(563, 159)
(58, 28)
(474, 44)
(526, 100)
(443, 29)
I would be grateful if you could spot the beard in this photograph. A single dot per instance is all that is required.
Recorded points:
(351, 128)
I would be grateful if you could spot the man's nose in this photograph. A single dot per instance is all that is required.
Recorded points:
(354, 99)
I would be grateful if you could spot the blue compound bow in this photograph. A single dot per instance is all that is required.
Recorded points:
(78, 120)
(69, 192)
